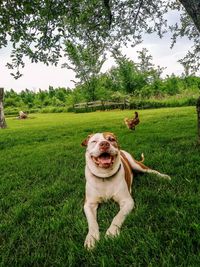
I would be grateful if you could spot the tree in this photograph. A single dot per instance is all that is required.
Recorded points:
(2, 117)
(145, 61)
(37, 29)
(189, 26)
(131, 79)
(86, 62)
(146, 66)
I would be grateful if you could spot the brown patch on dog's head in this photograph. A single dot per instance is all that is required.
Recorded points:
(107, 134)
(111, 138)
(85, 141)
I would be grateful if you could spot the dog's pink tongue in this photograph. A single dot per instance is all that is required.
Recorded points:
(105, 159)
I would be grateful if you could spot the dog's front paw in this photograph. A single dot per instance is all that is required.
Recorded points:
(113, 231)
(91, 240)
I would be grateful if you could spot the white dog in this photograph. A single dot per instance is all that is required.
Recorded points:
(109, 175)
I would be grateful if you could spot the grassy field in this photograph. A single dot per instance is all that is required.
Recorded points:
(42, 191)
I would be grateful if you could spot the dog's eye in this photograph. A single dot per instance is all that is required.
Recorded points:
(93, 142)
(111, 139)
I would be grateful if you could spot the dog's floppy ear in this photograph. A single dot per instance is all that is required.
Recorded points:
(85, 141)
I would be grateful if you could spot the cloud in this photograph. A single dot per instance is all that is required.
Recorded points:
(36, 76)
(161, 52)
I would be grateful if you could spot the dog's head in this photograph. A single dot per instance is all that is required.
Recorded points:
(102, 151)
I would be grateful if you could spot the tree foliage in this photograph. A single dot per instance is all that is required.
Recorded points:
(191, 29)
(86, 62)
(38, 29)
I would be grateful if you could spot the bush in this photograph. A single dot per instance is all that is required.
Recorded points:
(34, 110)
(53, 110)
(154, 103)
(11, 111)
(70, 109)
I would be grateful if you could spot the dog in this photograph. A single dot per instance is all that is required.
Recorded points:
(109, 175)
(22, 115)
(131, 123)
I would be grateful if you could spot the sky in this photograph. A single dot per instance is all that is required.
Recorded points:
(39, 76)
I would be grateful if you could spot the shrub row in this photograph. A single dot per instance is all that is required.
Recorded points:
(15, 111)
(134, 104)
(150, 103)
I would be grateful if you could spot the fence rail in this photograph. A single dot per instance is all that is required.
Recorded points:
(102, 104)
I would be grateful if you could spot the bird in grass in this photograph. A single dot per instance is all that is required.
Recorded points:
(131, 123)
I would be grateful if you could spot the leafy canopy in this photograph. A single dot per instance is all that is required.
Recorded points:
(38, 29)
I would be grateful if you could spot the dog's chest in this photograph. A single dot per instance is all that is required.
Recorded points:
(104, 188)
(107, 186)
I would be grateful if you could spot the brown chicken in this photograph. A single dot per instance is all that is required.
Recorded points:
(131, 123)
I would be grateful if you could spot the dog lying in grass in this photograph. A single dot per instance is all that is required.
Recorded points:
(22, 115)
(131, 123)
(109, 175)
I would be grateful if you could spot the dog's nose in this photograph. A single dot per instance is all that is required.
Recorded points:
(104, 145)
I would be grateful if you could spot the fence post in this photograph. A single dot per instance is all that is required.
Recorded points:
(2, 117)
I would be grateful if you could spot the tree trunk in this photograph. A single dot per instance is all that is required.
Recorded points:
(198, 119)
(2, 117)
(193, 9)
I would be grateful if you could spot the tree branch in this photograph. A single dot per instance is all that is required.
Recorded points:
(107, 6)
(193, 9)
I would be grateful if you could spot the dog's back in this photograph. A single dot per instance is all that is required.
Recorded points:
(128, 174)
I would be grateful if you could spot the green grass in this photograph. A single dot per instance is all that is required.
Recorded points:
(42, 191)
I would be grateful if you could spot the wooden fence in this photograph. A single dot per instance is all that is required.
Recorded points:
(102, 105)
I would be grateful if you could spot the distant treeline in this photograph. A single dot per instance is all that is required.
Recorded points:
(127, 80)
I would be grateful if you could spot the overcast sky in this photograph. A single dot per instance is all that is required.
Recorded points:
(38, 75)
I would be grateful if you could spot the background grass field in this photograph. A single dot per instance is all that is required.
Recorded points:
(42, 191)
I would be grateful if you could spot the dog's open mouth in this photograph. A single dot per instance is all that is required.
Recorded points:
(105, 160)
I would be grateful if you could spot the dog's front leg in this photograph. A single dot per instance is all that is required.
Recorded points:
(90, 209)
(126, 206)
